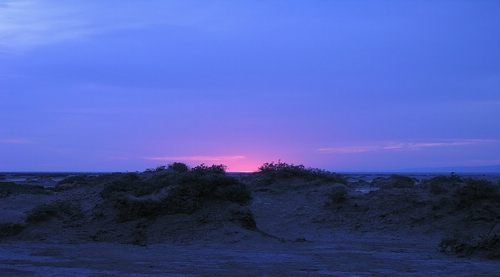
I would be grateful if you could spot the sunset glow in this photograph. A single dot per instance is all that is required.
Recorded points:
(94, 86)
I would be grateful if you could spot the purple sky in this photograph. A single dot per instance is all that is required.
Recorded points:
(340, 85)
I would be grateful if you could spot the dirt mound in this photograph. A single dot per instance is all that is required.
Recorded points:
(469, 209)
(281, 202)
(129, 208)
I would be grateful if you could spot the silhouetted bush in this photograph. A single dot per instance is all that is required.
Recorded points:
(442, 184)
(178, 167)
(10, 229)
(475, 191)
(213, 169)
(280, 170)
(7, 189)
(59, 209)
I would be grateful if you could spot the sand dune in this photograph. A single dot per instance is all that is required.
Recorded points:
(295, 225)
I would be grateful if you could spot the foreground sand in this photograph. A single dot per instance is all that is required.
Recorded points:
(351, 254)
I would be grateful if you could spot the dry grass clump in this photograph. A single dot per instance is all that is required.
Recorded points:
(443, 184)
(88, 180)
(7, 189)
(478, 202)
(476, 191)
(66, 210)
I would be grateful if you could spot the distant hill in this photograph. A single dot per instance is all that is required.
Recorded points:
(458, 169)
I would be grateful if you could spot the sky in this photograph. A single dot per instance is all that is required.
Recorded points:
(339, 85)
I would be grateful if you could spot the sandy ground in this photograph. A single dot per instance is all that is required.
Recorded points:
(348, 254)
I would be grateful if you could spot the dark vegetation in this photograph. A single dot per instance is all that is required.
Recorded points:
(271, 172)
(443, 184)
(172, 190)
(7, 189)
(65, 210)
(77, 180)
(487, 246)
(476, 192)
(88, 180)
(478, 203)
(394, 181)
(10, 229)
(178, 167)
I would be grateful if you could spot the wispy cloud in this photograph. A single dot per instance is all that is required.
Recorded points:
(26, 24)
(403, 146)
(197, 158)
(15, 141)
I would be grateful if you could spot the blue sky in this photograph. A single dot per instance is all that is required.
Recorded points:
(341, 85)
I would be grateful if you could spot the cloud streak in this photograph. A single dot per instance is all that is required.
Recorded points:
(27, 24)
(15, 141)
(403, 146)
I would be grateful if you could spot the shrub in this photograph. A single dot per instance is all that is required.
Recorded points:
(213, 169)
(7, 189)
(178, 167)
(97, 179)
(194, 189)
(280, 170)
(129, 209)
(442, 184)
(174, 192)
(126, 183)
(10, 229)
(475, 191)
(58, 209)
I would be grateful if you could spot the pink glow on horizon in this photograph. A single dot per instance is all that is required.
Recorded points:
(234, 163)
